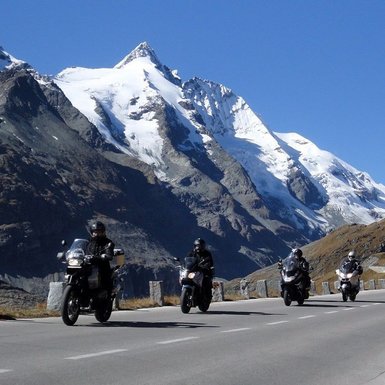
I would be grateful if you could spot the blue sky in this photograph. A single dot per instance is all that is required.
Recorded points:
(315, 67)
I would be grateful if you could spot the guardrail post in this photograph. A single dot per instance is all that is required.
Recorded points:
(217, 291)
(156, 292)
(54, 295)
(262, 288)
(244, 288)
(371, 284)
(313, 290)
(325, 288)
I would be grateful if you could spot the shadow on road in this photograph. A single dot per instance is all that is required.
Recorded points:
(153, 325)
(333, 303)
(227, 312)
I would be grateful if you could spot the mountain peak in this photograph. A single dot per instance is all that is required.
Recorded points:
(142, 50)
(8, 61)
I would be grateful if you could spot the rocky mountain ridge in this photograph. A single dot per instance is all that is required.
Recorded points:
(161, 162)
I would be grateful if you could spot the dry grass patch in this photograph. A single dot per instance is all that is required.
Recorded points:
(39, 311)
(146, 302)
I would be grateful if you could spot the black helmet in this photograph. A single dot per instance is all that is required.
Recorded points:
(199, 244)
(297, 253)
(97, 227)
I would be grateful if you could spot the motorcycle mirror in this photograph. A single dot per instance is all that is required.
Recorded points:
(60, 256)
(176, 259)
(118, 252)
(63, 243)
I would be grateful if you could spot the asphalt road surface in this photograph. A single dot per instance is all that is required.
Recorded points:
(253, 342)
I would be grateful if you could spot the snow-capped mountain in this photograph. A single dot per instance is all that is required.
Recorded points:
(316, 191)
(7, 61)
(162, 162)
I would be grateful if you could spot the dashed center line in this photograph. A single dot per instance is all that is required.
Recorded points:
(276, 323)
(349, 308)
(96, 354)
(5, 370)
(235, 330)
(331, 312)
(306, 316)
(176, 340)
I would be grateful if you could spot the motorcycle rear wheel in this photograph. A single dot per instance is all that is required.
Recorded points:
(204, 305)
(103, 311)
(352, 297)
(286, 297)
(185, 300)
(70, 307)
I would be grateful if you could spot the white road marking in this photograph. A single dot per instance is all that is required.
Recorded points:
(276, 323)
(349, 308)
(306, 316)
(5, 370)
(364, 305)
(331, 312)
(177, 340)
(96, 354)
(377, 303)
(235, 330)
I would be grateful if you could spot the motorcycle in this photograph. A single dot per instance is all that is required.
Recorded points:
(349, 280)
(83, 292)
(191, 280)
(292, 282)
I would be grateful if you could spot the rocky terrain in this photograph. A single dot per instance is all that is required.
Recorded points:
(325, 254)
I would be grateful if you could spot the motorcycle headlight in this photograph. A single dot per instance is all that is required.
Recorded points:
(74, 262)
(191, 275)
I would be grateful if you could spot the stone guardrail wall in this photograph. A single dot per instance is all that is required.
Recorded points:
(156, 294)
(262, 289)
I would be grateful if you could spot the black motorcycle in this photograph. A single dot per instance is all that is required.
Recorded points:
(83, 292)
(191, 279)
(292, 281)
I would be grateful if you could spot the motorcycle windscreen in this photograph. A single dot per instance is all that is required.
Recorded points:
(291, 265)
(347, 267)
(190, 263)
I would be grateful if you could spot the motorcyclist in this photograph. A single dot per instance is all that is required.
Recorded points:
(205, 265)
(102, 250)
(304, 266)
(353, 261)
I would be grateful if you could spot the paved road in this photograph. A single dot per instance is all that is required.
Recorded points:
(254, 342)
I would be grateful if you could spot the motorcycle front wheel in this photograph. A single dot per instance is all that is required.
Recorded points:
(286, 297)
(103, 311)
(70, 307)
(185, 300)
(352, 297)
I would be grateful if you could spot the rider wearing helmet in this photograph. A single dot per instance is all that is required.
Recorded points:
(102, 249)
(304, 266)
(205, 264)
(351, 258)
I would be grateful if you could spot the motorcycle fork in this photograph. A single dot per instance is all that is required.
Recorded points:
(192, 290)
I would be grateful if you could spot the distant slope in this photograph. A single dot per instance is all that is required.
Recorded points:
(325, 255)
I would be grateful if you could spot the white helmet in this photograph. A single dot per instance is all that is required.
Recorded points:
(351, 254)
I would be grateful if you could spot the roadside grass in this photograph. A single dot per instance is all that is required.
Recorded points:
(40, 310)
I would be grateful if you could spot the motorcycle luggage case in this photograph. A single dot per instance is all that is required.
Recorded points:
(119, 258)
